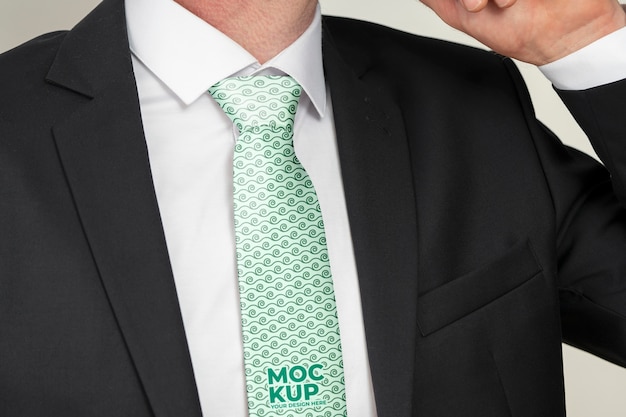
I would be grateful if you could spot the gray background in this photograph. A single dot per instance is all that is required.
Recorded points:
(594, 387)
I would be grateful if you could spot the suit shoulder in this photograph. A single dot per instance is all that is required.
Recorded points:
(358, 39)
(24, 93)
(34, 49)
(23, 71)
(31, 59)
(403, 63)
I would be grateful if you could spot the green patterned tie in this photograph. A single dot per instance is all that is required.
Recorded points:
(292, 349)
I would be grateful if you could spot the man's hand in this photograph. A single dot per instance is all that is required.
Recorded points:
(534, 31)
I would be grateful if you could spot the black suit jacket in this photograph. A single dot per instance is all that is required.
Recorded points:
(481, 242)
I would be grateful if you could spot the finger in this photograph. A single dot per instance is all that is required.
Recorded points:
(504, 3)
(447, 10)
(438, 5)
(474, 5)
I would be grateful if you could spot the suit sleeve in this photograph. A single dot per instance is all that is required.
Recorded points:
(592, 252)
(590, 208)
(600, 112)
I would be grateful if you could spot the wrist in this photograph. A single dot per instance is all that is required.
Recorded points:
(580, 38)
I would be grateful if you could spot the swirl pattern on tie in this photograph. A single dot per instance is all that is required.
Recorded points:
(292, 349)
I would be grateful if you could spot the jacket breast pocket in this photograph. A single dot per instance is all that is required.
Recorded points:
(462, 296)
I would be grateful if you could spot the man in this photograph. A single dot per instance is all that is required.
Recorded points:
(479, 241)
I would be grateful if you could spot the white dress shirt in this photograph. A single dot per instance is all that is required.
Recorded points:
(176, 58)
(602, 62)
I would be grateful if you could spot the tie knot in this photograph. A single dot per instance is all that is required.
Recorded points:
(259, 100)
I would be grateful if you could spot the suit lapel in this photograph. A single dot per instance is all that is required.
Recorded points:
(377, 177)
(104, 155)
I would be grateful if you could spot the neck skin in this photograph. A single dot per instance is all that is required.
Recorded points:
(263, 27)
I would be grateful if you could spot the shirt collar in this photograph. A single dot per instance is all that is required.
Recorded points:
(188, 55)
